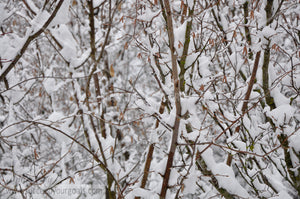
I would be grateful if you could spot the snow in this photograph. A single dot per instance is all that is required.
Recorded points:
(174, 175)
(96, 3)
(260, 15)
(77, 61)
(56, 116)
(294, 141)
(62, 16)
(191, 58)
(170, 118)
(204, 66)
(282, 195)
(281, 114)
(10, 47)
(66, 39)
(224, 22)
(224, 174)
(190, 185)
(268, 32)
(61, 124)
(39, 20)
(32, 6)
(190, 3)
(256, 135)
(153, 137)
(108, 143)
(232, 138)
(3, 13)
(236, 61)
(209, 100)
(240, 145)
(188, 105)
(148, 15)
(141, 104)
(227, 180)
(179, 37)
(50, 84)
(176, 5)
(279, 98)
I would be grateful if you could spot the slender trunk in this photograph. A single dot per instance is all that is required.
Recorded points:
(147, 167)
(247, 96)
(109, 193)
(175, 79)
(185, 50)
(283, 138)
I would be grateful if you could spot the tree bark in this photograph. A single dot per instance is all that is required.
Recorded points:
(175, 79)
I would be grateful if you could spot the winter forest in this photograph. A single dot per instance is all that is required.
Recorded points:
(150, 99)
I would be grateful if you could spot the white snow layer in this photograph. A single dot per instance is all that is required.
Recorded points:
(62, 16)
(281, 114)
(3, 13)
(268, 32)
(38, 22)
(224, 174)
(66, 39)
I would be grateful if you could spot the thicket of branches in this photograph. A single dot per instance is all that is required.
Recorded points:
(150, 98)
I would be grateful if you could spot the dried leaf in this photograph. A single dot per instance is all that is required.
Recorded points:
(182, 188)
(193, 34)
(237, 129)
(120, 7)
(157, 55)
(126, 45)
(251, 14)
(122, 19)
(201, 87)
(234, 33)
(36, 155)
(180, 44)
(111, 150)
(139, 55)
(225, 79)
(111, 71)
(74, 3)
(245, 51)
(71, 180)
(211, 42)
(121, 116)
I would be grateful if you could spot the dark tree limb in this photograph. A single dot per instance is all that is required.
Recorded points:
(175, 79)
